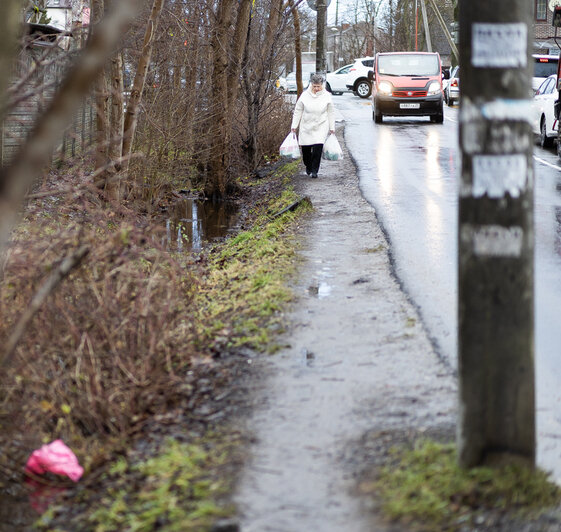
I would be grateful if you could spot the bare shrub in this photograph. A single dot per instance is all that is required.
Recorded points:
(110, 348)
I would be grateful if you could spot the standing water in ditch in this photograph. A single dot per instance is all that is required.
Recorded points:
(191, 223)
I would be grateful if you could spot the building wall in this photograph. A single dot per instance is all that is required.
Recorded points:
(544, 34)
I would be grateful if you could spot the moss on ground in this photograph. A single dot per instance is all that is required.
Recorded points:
(245, 291)
(426, 488)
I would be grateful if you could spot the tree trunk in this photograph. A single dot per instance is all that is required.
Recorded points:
(220, 129)
(191, 63)
(101, 97)
(131, 116)
(112, 184)
(260, 77)
(238, 47)
(297, 48)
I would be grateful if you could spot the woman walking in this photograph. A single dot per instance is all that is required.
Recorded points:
(315, 117)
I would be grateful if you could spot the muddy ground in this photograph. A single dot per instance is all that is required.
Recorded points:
(358, 375)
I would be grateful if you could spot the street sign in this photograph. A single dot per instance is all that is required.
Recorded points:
(312, 4)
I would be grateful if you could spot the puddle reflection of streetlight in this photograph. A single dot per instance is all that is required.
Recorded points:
(384, 160)
(433, 170)
(433, 209)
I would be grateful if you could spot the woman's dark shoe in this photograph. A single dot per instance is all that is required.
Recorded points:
(314, 175)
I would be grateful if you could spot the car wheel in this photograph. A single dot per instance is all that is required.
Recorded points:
(545, 141)
(438, 118)
(363, 89)
(328, 88)
(449, 101)
(377, 115)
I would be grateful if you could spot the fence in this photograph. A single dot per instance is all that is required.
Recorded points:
(39, 71)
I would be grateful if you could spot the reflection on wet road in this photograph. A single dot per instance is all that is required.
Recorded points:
(408, 170)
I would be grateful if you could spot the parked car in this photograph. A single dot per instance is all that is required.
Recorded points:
(407, 84)
(544, 66)
(336, 82)
(291, 81)
(543, 117)
(358, 81)
(452, 89)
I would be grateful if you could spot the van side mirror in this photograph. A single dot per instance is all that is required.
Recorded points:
(371, 75)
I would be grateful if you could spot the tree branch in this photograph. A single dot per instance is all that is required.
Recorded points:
(72, 260)
(36, 152)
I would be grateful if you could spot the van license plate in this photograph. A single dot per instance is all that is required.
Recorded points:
(409, 105)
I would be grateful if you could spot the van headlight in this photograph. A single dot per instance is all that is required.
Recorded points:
(385, 87)
(434, 88)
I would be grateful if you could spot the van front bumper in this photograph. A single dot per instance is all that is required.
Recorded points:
(393, 106)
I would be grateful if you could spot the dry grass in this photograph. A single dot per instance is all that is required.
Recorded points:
(109, 348)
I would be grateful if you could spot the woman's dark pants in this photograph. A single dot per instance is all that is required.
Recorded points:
(312, 157)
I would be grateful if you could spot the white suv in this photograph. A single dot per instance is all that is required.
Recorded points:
(358, 77)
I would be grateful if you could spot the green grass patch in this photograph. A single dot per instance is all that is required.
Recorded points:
(176, 491)
(245, 291)
(426, 487)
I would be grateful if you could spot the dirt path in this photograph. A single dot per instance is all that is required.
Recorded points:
(357, 361)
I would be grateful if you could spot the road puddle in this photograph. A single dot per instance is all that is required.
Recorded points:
(192, 223)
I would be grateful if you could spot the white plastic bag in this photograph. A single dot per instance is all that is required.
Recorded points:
(289, 147)
(331, 149)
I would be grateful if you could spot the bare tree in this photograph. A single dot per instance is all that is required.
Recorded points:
(131, 115)
(116, 125)
(225, 81)
(297, 47)
(221, 41)
(258, 78)
(101, 97)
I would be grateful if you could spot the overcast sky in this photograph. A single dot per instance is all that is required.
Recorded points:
(345, 6)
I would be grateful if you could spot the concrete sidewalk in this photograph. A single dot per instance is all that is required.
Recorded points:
(358, 361)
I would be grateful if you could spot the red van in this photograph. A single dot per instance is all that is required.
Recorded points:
(407, 84)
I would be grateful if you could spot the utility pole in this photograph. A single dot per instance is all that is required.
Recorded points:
(496, 242)
(321, 62)
(442, 23)
(416, 26)
(426, 25)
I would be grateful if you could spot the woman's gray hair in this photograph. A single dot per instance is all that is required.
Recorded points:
(316, 79)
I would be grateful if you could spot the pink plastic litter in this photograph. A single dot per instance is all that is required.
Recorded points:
(56, 458)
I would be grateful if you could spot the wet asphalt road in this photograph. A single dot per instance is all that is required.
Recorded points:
(408, 170)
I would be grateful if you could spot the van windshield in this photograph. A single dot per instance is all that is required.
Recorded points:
(408, 65)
